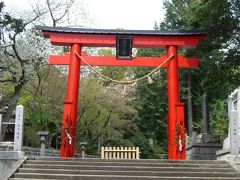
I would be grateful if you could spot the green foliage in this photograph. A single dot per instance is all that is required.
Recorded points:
(217, 76)
(103, 116)
(142, 143)
(117, 73)
(219, 71)
(14, 24)
(43, 100)
(150, 103)
(219, 117)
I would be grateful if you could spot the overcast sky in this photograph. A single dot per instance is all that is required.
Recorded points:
(111, 14)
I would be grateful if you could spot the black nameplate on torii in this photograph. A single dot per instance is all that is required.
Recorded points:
(124, 47)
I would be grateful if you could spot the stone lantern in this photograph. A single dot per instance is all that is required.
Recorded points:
(83, 148)
(43, 139)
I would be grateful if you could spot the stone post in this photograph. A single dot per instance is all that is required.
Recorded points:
(18, 135)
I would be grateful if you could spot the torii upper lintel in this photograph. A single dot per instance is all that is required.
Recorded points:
(107, 37)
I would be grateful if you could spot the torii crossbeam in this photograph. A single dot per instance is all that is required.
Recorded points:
(78, 38)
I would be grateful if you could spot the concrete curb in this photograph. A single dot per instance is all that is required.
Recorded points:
(15, 167)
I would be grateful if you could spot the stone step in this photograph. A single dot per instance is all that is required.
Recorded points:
(119, 163)
(128, 168)
(110, 177)
(29, 179)
(99, 169)
(131, 173)
(132, 160)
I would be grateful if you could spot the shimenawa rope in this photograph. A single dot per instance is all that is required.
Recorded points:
(124, 81)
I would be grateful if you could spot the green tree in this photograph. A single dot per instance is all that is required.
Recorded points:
(150, 103)
(219, 58)
(117, 73)
(103, 116)
(23, 50)
(217, 76)
(43, 100)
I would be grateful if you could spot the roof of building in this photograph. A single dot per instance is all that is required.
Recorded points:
(119, 31)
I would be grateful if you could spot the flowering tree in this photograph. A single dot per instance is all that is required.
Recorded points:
(23, 51)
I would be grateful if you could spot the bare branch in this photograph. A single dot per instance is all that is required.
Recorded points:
(9, 54)
(94, 119)
(6, 80)
(51, 13)
(66, 10)
(5, 46)
(108, 119)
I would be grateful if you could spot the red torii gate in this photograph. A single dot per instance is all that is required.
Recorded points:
(78, 38)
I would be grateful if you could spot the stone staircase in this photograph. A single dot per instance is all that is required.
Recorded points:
(98, 169)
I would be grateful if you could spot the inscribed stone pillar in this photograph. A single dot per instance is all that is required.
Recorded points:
(0, 127)
(18, 134)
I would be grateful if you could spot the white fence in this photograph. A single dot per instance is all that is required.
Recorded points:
(120, 153)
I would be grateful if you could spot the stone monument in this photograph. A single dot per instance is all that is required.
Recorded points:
(16, 152)
(203, 146)
(18, 133)
(231, 145)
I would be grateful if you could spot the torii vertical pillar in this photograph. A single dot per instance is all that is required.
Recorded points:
(70, 104)
(175, 111)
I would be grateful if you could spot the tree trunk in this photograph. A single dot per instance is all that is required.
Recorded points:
(189, 107)
(205, 114)
(11, 106)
